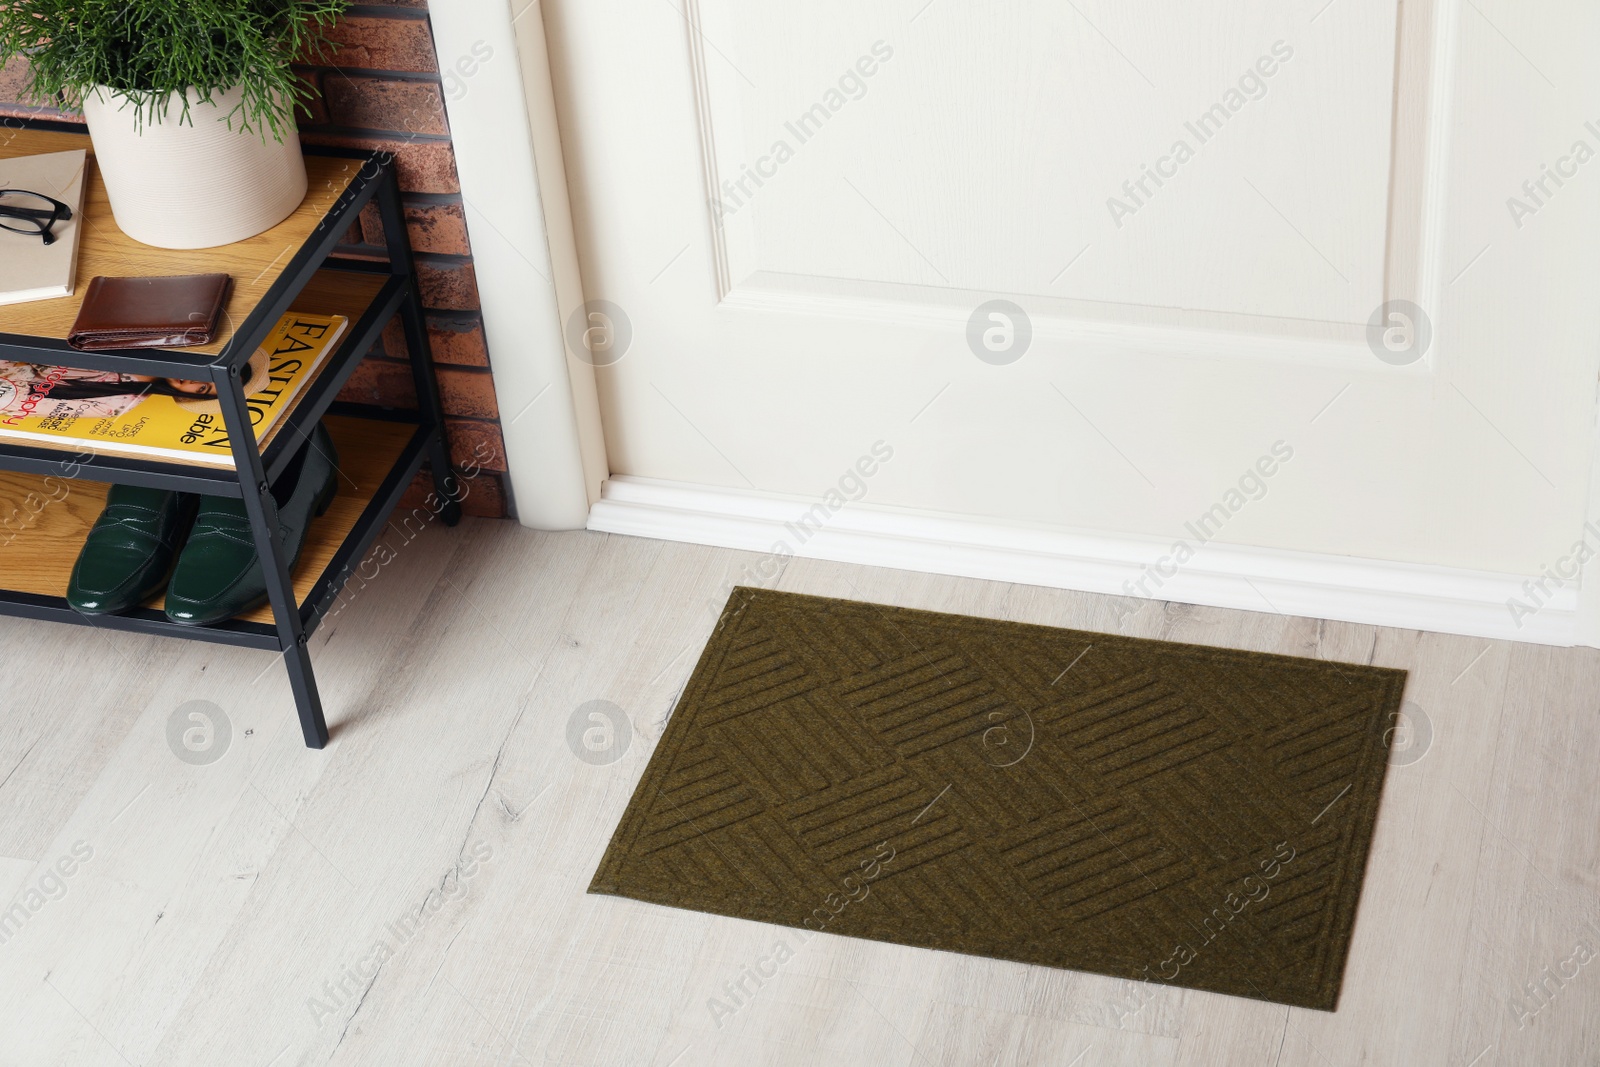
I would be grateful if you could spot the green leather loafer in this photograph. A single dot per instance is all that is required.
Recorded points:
(219, 575)
(125, 559)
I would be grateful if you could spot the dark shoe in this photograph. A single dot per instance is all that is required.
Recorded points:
(219, 575)
(125, 559)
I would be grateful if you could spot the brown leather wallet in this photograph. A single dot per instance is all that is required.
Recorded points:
(170, 312)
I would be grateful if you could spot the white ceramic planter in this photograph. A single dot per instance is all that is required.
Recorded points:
(183, 185)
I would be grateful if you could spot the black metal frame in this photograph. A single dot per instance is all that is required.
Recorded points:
(254, 469)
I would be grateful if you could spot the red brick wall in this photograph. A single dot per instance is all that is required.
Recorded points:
(380, 88)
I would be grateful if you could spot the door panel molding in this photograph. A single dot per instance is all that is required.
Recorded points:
(1429, 40)
(1413, 268)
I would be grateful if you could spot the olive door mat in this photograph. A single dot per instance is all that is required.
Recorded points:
(1136, 808)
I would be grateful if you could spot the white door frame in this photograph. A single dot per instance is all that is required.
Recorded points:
(508, 151)
(502, 115)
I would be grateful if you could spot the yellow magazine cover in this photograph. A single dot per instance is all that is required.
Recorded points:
(104, 411)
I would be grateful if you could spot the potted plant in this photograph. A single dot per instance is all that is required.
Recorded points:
(190, 104)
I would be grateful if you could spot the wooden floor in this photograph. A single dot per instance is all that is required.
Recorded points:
(415, 893)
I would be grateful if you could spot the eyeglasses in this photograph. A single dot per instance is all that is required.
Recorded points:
(32, 213)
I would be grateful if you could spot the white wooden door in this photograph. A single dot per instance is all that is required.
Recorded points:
(1313, 275)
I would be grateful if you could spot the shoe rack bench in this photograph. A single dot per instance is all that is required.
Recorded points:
(50, 496)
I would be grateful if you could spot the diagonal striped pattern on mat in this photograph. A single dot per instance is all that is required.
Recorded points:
(1136, 808)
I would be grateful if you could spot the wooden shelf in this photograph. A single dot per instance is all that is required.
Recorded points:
(329, 292)
(40, 542)
(255, 263)
(51, 508)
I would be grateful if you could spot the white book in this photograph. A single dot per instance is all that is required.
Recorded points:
(29, 268)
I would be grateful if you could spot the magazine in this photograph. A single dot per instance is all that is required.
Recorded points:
(104, 411)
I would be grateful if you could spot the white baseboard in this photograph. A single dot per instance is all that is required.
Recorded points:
(1403, 595)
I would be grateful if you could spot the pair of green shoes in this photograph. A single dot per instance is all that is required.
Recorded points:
(130, 552)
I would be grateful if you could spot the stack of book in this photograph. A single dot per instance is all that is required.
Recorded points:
(29, 268)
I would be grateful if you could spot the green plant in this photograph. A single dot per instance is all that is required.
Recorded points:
(145, 50)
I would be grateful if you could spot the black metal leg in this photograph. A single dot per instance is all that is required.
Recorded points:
(262, 511)
(448, 487)
(303, 684)
(445, 482)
